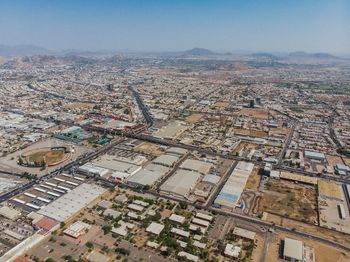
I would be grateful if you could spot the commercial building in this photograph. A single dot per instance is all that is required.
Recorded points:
(341, 210)
(9, 212)
(244, 233)
(298, 177)
(166, 160)
(77, 229)
(135, 207)
(112, 213)
(293, 250)
(105, 204)
(314, 155)
(70, 203)
(204, 216)
(188, 256)
(180, 232)
(177, 218)
(196, 165)
(342, 169)
(200, 222)
(211, 179)
(120, 169)
(267, 169)
(233, 188)
(181, 183)
(93, 170)
(232, 251)
(176, 151)
(155, 228)
(148, 176)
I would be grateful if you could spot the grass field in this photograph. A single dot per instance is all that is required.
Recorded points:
(289, 200)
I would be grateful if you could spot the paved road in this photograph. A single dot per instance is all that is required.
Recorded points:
(249, 219)
(286, 144)
(173, 170)
(80, 160)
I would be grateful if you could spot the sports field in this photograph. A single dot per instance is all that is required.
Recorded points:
(46, 155)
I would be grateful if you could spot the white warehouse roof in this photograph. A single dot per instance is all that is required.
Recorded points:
(149, 175)
(166, 160)
(293, 249)
(181, 183)
(70, 203)
(197, 165)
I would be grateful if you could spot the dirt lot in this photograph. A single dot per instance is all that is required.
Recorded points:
(254, 112)
(289, 200)
(258, 250)
(252, 133)
(283, 131)
(312, 229)
(253, 180)
(149, 149)
(334, 160)
(194, 118)
(245, 146)
(346, 161)
(323, 253)
(221, 104)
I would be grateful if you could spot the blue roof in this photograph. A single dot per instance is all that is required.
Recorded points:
(342, 167)
(228, 197)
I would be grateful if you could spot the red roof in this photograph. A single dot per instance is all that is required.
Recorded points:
(21, 259)
(46, 223)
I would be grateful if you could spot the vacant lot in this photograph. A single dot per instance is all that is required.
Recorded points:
(323, 253)
(251, 133)
(289, 200)
(194, 118)
(245, 146)
(253, 180)
(221, 104)
(334, 160)
(149, 149)
(254, 112)
(278, 131)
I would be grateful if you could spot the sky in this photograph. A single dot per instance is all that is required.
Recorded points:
(176, 25)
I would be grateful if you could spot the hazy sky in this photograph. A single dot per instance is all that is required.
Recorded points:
(172, 25)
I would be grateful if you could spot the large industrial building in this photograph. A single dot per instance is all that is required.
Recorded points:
(181, 183)
(293, 250)
(197, 165)
(149, 175)
(233, 188)
(70, 203)
(314, 155)
(92, 170)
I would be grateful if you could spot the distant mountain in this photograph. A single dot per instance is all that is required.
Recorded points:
(264, 56)
(23, 50)
(324, 56)
(199, 51)
(304, 55)
(298, 54)
(26, 62)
